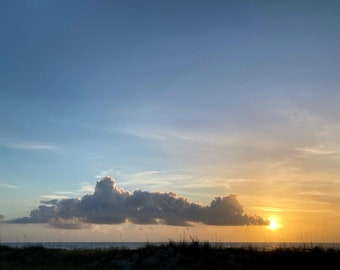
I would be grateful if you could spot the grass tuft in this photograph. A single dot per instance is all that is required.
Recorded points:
(171, 255)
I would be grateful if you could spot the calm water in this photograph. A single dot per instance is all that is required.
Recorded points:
(136, 245)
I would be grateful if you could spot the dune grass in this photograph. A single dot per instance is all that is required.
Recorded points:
(172, 255)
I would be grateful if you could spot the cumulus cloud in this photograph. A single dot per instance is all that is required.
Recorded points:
(110, 204)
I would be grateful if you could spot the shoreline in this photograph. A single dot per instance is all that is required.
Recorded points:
(135, 245)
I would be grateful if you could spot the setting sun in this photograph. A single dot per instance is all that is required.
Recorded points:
(273, 225)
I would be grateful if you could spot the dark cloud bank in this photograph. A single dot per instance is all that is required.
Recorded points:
(110, 204)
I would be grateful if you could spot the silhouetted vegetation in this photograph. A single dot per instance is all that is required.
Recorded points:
(173, 255)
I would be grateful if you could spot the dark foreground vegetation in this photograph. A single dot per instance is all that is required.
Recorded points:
(170, 256)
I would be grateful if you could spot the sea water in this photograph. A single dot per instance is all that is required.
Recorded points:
(137, 245)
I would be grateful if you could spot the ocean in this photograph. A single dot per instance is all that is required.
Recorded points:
(136, 245)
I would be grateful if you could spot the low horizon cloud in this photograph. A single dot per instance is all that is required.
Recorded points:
(110, 204)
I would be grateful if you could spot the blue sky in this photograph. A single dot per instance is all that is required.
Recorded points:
(204, 98)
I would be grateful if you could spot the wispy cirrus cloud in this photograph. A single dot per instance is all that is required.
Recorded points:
(53, 197)
(27, 145)
(85, 187)
(317, 150)
(59, 195)
(284, 131)
(4, 185)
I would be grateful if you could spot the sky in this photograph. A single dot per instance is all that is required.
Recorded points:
(170, 120)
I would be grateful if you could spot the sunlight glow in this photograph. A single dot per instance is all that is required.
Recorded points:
(273, 225)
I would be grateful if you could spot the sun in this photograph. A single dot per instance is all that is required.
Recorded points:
(273, 225)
